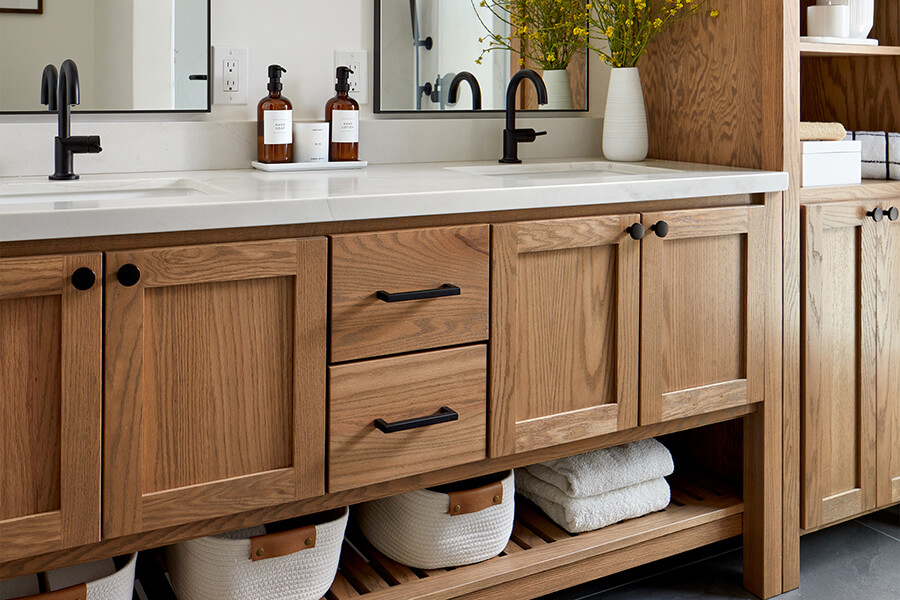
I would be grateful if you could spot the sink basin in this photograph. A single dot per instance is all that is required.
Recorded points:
(120, 189)
(593, 170)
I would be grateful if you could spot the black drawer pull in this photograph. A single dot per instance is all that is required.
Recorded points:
(445, 415)
(447, 289)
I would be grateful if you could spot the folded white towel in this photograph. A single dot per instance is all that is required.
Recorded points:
(880, 154)
(601, 471)
(577, 515)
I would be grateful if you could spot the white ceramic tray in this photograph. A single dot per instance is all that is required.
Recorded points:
(314, 166)
(836, 40)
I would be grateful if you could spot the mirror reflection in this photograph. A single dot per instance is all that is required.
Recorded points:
(427, 59)
(141, 55)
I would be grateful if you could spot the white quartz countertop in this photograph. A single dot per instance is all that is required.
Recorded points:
(33, 208)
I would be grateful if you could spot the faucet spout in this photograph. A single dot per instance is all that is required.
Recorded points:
(512, 136)
(473, 83)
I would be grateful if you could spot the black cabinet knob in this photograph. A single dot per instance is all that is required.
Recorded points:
(661, 228)
(128, 275)
(83, 279)
(893, 213)
(636, 231)
(877, 215)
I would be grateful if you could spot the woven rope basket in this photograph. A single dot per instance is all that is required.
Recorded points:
(252, 565)
(88, 581)
(443, 527)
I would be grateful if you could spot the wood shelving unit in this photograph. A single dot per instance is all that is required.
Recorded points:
(541, 557)
(811, 49)
(868, 189)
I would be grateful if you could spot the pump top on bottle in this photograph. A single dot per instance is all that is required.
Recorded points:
(275, 123)
(342, 113)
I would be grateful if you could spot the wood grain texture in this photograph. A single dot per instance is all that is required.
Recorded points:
(400, 261)
(888, 370)
(702, 309)
(168, 535)
(838, 378)
(811, 49)
(50, 404)
(565, 315)
(869, 189)
(397, 389)
(217, 390)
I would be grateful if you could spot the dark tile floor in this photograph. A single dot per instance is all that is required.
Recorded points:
(857, 560)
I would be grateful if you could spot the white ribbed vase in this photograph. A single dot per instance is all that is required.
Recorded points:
(559, 93)
(625, 121)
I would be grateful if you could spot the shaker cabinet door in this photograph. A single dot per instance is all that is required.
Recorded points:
(702, 311)
(564, 331)
(50, 405)
(215, 381)
(888, 369)
(838, 373)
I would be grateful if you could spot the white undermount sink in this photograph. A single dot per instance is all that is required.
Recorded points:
(595, 169)
(115, 189)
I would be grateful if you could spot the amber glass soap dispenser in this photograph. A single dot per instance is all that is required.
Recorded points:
(342, 113)
(275, 123)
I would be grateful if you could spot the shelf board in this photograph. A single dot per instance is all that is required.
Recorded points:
(869, 189)
(541, 557)
(811, 49)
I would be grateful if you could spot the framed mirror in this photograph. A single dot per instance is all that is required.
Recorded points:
(421, 46)
(134, 56)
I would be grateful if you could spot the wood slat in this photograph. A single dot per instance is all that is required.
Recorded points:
(566, 234)
(526, 538)
(538, 522)
(341, 589)
(811, 49)
(358, 572)
(717, 396)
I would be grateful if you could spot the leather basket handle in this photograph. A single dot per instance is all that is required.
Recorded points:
(76, 592)
(464, 502)
(282, 543)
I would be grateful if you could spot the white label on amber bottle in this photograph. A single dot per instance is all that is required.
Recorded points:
(277, 127)
(345, 126)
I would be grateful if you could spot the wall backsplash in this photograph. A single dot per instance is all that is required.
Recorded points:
(302, 35)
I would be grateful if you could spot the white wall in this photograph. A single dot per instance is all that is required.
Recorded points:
(301, 35)
(20, 72)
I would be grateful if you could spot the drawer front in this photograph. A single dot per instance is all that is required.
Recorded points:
(397, 390)
(363, 326)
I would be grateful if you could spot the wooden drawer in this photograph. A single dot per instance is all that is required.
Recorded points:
(362, 325)
(398, 389)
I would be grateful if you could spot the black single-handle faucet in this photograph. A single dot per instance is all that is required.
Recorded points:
(473, 83)
(59, 92)
(511, 135)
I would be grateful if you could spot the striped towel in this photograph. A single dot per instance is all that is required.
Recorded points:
(880, 153)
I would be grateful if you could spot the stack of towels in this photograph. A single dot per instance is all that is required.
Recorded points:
(880, 153)
(596, 489)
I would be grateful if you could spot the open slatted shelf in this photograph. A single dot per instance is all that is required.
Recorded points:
(541, 557)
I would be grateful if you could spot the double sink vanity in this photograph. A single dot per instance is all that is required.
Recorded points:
(231, 337)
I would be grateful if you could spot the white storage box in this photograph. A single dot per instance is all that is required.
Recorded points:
(447, 526)
(298, 563)
(98, 580)
(831, 163)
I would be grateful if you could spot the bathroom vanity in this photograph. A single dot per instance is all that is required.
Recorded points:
(191, 353)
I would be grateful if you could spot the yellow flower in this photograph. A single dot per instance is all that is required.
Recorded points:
(714, 13)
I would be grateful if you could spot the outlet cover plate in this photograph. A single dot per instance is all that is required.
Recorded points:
(358, 61)
(234, 77)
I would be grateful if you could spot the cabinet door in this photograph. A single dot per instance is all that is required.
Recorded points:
(564, 331)
(50, 404)
(838, 362)
(888, 366)
(702, 311)
(215, 381)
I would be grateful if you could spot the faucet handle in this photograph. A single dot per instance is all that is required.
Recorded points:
(528, 135)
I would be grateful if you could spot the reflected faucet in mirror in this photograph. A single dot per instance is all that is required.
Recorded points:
(60, 91)
(473, 83)
(512, 136)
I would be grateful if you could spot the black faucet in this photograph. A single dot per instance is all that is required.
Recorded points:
(59, 92)
(511, 135)
(473, 83)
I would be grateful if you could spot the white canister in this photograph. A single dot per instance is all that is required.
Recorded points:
(311, 142)
(832, 20)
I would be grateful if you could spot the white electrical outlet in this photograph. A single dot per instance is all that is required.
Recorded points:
(358, 61)
(229, 75)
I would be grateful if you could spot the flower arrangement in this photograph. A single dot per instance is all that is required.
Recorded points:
(547, 32)
(622, 29)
